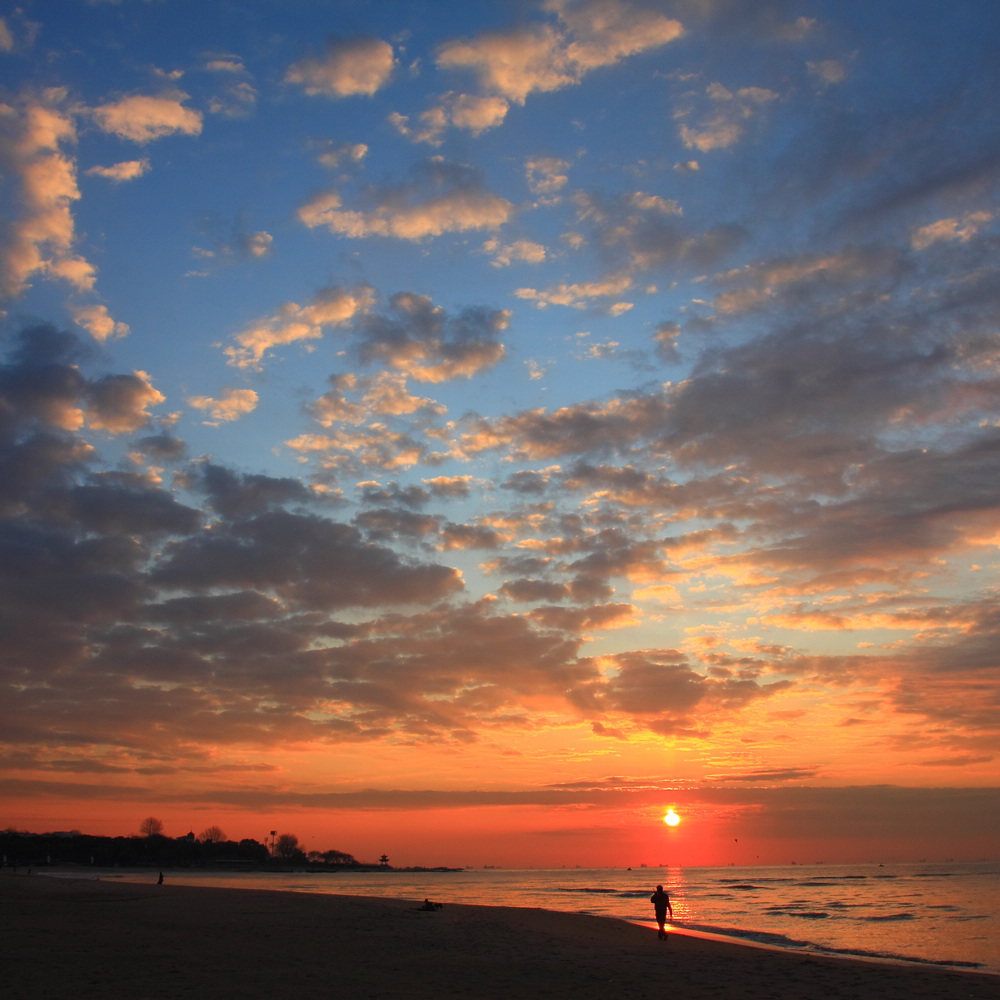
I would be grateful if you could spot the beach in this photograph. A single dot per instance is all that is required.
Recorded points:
(87, 938)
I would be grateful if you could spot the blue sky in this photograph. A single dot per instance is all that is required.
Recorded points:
(497, 396)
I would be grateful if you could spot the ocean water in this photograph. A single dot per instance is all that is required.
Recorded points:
(940, 914)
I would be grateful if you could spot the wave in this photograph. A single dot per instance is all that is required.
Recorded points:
(725, 881)
(787, 943)
(590, 889)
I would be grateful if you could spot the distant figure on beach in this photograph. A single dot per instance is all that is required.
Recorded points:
(428, 905)
(159, 881)
(661, 904)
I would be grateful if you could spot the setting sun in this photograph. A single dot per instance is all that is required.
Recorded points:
(671, 819)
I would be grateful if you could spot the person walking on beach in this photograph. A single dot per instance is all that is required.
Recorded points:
(661, 904)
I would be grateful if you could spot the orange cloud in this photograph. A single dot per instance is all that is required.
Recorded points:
(233, 404)
(143, 119)
(443, 198)
(332, 307)
(359, 66)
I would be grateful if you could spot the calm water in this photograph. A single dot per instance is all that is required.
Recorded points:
(946, 914)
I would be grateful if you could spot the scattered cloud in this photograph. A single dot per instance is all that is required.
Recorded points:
(578, 295)
(127, 170)
(546, 175)
(828, 71)
(144, 119)
(476, 114)
(519, 250)
(547, 56)
(441, 198)
(98, 322)
(723, 115)
(958, 230)
(233, 404)
(333, 155)
(332, 307)
(347, 68)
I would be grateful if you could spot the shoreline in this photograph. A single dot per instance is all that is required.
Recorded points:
(92, 938)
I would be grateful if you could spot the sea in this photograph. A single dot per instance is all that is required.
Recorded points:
(944, 915)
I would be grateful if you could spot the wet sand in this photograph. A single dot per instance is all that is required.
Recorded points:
(76, 938)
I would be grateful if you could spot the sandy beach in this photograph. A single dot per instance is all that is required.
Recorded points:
(62, 938)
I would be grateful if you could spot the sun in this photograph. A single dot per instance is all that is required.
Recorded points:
(671, 819)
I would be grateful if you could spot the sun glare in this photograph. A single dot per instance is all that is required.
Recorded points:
(671, 819)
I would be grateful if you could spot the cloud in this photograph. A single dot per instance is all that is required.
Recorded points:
(375, 446)
(334, 154)
(578, 294)
(247, 605)
(541, 57)
(161, 447)
(238, 97)
(309, 561)
(257, 244)
(546, 175)
(143, 119)
(379, 396)
(347, 68)
(828, 70)
(513, 64)
(548, 57)
(233, 404)
(423, 342)
(225, 65)
(760, 285)
(232, 495)
(949, 230)
(476, 114)
(411, 340)
(97, 321)
(127, 170)
(523, 250)
(332, 307)
(648, 232)
(726, 122)
(119, 403)
(233, 242)
(441, 198)
(595, 618)
(44, 383)
(40, 238)
(450, 487)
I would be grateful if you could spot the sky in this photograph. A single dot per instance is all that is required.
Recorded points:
(465, 430)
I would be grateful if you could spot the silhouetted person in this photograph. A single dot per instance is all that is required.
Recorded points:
(428, 905)
(661, 904)
(159, 881)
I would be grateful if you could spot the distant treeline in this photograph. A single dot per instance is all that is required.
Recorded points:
(157, 851)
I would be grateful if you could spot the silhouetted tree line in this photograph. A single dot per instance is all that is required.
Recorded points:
(154, 850)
